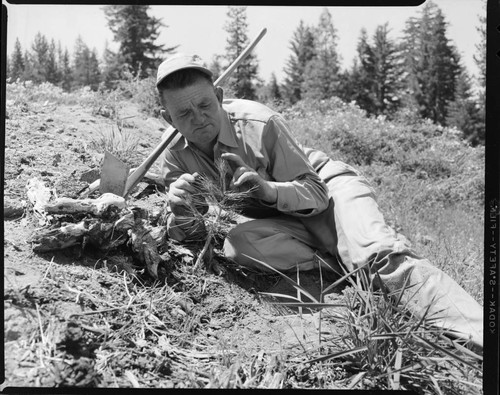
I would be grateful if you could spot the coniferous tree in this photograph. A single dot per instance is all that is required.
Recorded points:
(363, 74)
(28, 67)
(215, 66)
(40, 58)
(480, 55)
(303, 51)
(321, 79)
(66, 72)
(274, 88)
(52, 71)
(86, 66)
(243, 80)
(113, 69)
(136, 33)
(480, 60)
(16, 65)
(385, 78)
(464, 113)
(431, 64)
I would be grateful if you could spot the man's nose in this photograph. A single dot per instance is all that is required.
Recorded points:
(198, 116)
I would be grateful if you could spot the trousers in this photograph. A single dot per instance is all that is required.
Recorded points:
(362, 237)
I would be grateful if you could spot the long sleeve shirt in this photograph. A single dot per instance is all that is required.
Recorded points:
(262, 138)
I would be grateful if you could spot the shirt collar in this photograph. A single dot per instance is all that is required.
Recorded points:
(226, 135)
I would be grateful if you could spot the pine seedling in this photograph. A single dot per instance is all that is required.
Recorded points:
(216, 206)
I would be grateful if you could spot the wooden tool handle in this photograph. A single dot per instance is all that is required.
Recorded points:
(137, 175)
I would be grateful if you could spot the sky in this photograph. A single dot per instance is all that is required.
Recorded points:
(200, 29)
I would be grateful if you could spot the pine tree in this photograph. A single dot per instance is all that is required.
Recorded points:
(136, 33)
(243, 80)
(114, 67)
(16, 66)
(302, 47)
(321, 79)
(215, 66)
(52, 72)
(386, 71)
(480, 55)
(28, 67)
(464, 113)
(363, 75)
(480, 60)
(274, 88)
(66, 72)
(86, 66)
(431, 64)
(40, 58)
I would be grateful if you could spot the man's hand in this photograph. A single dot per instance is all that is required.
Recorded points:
(180, 194)
(246, 177)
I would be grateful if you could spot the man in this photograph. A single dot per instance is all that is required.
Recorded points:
(309, 209)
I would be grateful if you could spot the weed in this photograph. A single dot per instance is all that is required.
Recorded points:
(385, 345)
(117, 140)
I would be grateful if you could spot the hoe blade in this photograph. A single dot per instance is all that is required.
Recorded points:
(114, 174)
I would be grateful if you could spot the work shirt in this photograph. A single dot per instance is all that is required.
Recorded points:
(263, 140)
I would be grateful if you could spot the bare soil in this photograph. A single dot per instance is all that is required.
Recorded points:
(78, 318)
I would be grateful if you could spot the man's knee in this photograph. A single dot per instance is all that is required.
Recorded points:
(239, 244)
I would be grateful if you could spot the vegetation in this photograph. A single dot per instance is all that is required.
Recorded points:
(136, 32)
(425, 167)
(242, 82)
(420, 72)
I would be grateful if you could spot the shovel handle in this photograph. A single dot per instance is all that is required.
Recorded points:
(137, 175)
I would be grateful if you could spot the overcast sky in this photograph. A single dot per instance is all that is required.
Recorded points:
(200, 29)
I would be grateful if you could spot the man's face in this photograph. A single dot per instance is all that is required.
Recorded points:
(194, 111)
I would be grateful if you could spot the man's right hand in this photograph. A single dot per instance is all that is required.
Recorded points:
(180, 194)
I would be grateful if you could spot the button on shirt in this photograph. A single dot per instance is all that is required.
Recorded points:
(263, 140)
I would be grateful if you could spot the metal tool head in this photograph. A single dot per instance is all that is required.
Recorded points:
(114, 175)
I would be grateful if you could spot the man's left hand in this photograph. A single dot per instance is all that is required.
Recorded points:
(245, 175)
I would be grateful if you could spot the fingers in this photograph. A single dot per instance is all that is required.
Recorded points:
(241, 172)
(181, 190)
(234, 160)
(244, 175)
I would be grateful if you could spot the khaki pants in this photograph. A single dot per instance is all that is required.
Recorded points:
(361, 236)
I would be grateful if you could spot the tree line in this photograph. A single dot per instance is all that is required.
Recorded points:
(420, 73)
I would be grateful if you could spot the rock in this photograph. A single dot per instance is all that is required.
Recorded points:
(13, 208)
(57, 160)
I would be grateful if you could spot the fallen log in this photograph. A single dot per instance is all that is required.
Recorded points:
(101, 206)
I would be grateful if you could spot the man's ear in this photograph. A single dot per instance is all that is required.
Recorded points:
(219, 92)
(166, 116)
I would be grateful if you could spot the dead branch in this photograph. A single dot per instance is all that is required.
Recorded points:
(59, 238)
(97, 207)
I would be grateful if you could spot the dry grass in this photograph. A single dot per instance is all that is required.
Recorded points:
(384, 345)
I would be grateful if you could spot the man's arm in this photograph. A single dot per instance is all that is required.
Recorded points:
(293, 187)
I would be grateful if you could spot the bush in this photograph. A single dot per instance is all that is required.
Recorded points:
(141, 91)
(27, 93)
